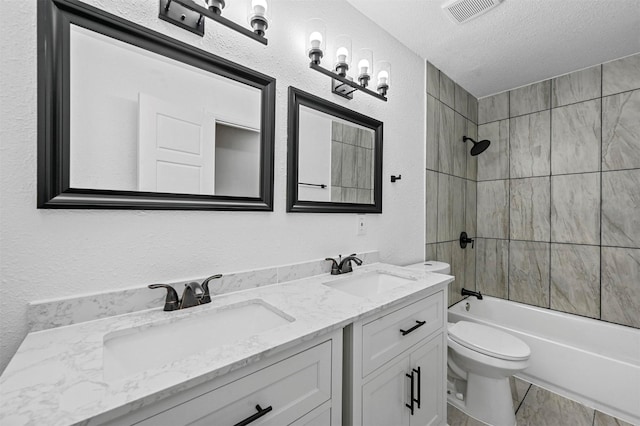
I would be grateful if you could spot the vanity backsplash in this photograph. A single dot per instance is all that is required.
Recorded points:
(52, 313)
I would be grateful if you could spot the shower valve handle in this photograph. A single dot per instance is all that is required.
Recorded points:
(464, 240)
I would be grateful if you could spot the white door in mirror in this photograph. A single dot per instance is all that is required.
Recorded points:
(176, 147)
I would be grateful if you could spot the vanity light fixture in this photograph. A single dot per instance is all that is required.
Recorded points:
(341, 83)
(189, 15)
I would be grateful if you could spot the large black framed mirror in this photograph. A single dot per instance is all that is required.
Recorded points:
(129, 118)
(334, 158)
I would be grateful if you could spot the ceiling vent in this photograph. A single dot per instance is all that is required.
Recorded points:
(461, 11)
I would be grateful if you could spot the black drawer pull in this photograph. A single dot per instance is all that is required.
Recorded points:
(410, 407)
(261, 412)
(419, 324)
(419, 379)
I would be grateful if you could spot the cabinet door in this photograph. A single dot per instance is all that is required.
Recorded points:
(385, 395)
(428, 359)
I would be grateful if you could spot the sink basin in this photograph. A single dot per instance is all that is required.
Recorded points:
(368, 284)
(134, 350)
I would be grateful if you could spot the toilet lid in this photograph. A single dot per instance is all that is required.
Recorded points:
(489, 341)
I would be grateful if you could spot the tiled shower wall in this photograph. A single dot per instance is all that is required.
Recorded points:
(558, 193)
(450, 177)
(351, 164)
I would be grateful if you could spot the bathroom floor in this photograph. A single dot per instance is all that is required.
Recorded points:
(538, 407)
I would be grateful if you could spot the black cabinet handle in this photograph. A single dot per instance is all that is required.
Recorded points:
(410, 407)
(418, 371)
(419, 324)
(261, 412)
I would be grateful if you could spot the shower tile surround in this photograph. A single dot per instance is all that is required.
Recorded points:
(46, 314)
(451, 174)
(557, 193)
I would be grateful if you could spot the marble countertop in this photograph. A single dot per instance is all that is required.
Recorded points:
(57, 375)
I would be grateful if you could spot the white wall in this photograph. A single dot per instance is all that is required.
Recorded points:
(58, 253)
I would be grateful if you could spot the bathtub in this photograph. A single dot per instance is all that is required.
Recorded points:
(591, 362)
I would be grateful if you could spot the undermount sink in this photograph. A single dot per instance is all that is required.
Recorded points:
(137, 349)
(368, 284)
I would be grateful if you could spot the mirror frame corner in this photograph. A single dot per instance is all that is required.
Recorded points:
(54, 19)
(299, 98)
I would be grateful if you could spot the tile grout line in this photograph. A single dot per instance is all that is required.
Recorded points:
(601, 178)
(550, 184)
(508, 200)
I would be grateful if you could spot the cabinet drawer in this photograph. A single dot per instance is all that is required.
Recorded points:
(291, 387)
(383, 339)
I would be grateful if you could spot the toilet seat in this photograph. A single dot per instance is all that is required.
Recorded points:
(489, 341)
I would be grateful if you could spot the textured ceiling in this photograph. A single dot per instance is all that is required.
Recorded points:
(517, 43)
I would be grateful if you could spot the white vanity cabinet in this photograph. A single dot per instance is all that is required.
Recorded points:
(300, 386)
(395, 366)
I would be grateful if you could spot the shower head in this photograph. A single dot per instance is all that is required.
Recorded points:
(478, 147)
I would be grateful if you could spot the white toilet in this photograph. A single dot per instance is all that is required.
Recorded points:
(480, 361)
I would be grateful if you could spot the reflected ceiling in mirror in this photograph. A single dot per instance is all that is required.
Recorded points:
(135, 119)
(335, 157)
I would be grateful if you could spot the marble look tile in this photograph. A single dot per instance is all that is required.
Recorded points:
(620, 208)
(433, 80)
(493, 108)
(530, 145)
(529, 272)
(431, 207)
(456, 417)
(362, 171)
(430, 251)
(602, 419)
(336, 163)
(451, 197)
(446, 136)
(575, 138)
(472, 161)
(336, 131)
(350, 134)
(433, 132)
(530, 208)
(621, 131)
(447, 90)
(364, 196)
(470, 212)
(532, 98)
(621, 75)
(461, 100)
(519, 389)
(458, 270)
(460, 150)
(349, 195)
(577, 86)
(472, 108)
(493, 209)
(494, 162)
(492, 267)
(469, 268)
(575, 279)
(349, 178)
(541, 407)
(368, 169)
(336, 194)
(620, 286)
(365, 138)
(575, 208)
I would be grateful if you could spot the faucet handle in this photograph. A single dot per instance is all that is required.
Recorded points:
(206, 297)
(335, 268)
(172, 302)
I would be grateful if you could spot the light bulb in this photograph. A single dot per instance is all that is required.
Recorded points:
(315, 39)
(383, 77)
(342, 55)
(364, 66)
(259, 7)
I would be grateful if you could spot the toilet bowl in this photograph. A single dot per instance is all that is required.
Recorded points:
(480, 360)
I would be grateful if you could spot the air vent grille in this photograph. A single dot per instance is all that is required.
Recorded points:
(461, 11)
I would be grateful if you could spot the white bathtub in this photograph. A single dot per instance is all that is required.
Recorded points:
(592, 362)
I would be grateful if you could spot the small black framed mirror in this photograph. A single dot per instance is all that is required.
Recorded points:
(334, 158)
(129, 118)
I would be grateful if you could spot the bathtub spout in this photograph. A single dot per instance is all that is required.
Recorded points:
(466, 292)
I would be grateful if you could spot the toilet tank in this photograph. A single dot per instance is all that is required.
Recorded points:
(432, 266)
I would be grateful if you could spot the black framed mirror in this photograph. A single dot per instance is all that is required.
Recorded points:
(334, 158)
(129, 118)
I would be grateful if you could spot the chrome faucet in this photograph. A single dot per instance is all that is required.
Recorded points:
(193, 294)
(343, 266)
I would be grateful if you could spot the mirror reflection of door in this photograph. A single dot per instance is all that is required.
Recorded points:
(175, 147)
(335, 159)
